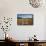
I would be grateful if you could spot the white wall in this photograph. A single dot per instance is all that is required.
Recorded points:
(10, 8)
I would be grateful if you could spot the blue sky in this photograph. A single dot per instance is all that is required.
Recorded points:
(24, 15)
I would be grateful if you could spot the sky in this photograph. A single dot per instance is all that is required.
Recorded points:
(25, 15)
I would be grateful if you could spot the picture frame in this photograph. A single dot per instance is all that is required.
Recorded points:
(24, 19)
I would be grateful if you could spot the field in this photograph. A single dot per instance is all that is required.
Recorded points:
(24, 21)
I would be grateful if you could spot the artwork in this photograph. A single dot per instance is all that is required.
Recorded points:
(35, 3)
(24, 19)
(6, 24)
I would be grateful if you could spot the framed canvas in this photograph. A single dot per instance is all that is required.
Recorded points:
(24, 19)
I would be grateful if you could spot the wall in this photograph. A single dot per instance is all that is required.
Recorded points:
(10, 8)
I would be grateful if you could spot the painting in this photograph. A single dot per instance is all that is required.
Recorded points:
(24, 19)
